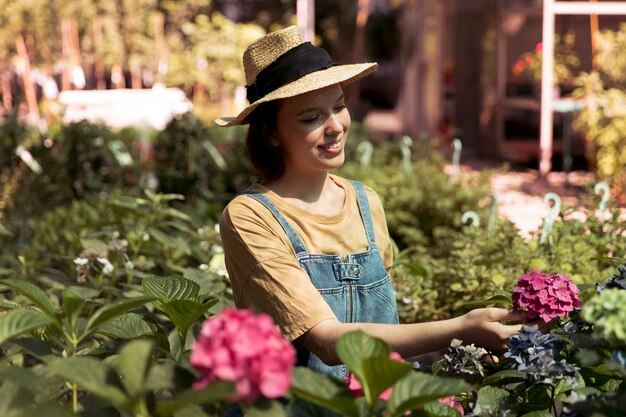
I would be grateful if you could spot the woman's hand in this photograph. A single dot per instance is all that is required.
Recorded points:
(483, 327)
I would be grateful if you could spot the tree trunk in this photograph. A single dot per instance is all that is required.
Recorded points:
(66, 55)
(159, 40)
(5, 87)
(29, 88)
(98, 46)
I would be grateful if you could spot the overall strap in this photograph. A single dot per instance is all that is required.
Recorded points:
(364, 208)
(297, 244)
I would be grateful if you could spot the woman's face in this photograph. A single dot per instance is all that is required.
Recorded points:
(312, 129)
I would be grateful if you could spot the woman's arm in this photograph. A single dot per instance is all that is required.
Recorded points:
(482, 327)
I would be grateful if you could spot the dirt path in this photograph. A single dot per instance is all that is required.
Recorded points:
(521, 193)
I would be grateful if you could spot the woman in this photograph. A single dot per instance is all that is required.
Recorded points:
(306, 246)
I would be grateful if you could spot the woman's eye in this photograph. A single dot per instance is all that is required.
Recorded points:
(310, 119)
(340, 107)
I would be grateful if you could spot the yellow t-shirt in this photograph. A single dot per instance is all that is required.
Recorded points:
(262, 265)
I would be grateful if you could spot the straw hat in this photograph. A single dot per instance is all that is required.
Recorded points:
(281, 64)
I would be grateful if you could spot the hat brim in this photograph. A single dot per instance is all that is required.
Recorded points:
(343, 74)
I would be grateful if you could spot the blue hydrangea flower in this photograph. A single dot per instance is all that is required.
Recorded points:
(535, 353)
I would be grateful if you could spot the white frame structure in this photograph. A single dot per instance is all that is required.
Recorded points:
(551, 9)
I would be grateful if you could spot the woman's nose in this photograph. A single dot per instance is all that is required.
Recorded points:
(333, 125)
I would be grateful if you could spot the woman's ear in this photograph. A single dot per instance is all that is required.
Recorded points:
(273, 140)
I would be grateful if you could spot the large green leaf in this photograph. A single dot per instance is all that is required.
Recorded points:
(16, 322)
(36, 295)
(417, 389)
(170, 288)
(355, 346)
(491, 400)
(112, 311)
(380, 373)
(368, 359)
(91, 375)
(323, 390)
(126, 326)
(35, 379)
(218, 391)
(133, 364)
(184, 313)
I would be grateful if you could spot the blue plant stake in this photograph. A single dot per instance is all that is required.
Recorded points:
(471, 215)
(405, 147)
(493, 212)
(457, 146)
(606, 194)
(366, 149)
(546, 233)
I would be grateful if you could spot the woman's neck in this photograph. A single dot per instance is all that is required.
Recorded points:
(307, 189)
(318, 195)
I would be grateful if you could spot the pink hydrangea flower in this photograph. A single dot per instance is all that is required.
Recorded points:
(452, 402)
(545, 296)
(356, 388)
(247, 349)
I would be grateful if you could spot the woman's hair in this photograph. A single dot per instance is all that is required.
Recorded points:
(265, 157)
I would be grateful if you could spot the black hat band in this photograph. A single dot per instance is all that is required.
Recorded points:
(290, 66)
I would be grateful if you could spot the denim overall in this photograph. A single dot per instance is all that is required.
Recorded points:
(356, 286)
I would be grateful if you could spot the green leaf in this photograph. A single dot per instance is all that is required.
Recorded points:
(16, 322)
(368, 359)
(265, 408)
(540, 413)
(112, 311)
(35, 347)
(72, 306)
(91, 375)
(36, 295)
(160, 198)
(184, 313)
(4, 231)
(95, 244)
(133, 364)
(504, 377)
(170, 288)
(414, 269)
(491, 400)
(417, 389)
(436, 409)
(380, 373)
(496, 299)
(174, 242)
(355, 346)
(323, 390)
(126, 326)
(218, 391)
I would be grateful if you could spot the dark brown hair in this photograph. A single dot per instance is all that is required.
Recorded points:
(265, 157)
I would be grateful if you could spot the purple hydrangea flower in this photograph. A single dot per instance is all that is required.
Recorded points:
(545, 296)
